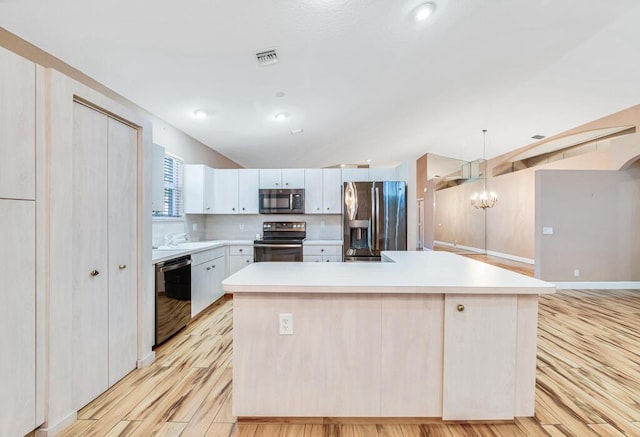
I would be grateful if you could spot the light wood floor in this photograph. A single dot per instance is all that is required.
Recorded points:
(588, 382)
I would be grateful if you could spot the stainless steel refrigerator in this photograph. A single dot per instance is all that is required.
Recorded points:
(375, 219)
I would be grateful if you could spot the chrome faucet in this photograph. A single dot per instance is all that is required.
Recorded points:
(172, 239)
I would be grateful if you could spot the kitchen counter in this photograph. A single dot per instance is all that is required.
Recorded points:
(425, 334)
(188, 248)
(408, 272)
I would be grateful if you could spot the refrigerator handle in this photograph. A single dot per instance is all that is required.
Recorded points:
(369, 231)
(372, 241)
(377, 219)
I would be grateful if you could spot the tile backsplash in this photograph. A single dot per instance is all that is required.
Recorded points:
(243, 227)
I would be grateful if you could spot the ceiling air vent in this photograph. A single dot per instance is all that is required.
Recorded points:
(267, 57)
(538, 137)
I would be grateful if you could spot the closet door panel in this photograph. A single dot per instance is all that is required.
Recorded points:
(89, 258)
(122, 249)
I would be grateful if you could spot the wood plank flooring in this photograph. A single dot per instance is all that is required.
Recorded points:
(588, 382)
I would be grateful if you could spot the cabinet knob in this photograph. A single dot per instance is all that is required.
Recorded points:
(243, 209)
(233, 209)
(286, 183)
(122, 266)
(213, 266)
(239, 250)
(247, 261)
(94, 273)
(208, 268)
(327, 261)
(277, 184)
(317, 209)
(460, 307)
(208, 209)
(328, 208)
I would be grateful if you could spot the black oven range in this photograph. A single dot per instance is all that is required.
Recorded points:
(281, 241)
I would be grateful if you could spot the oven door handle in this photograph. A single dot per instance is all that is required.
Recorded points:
(286, 246)
(175, 266)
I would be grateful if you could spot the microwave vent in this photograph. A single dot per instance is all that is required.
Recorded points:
(267, 57)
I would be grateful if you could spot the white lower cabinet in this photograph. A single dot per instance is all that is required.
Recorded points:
(326, 253)
(240, 256)
(207, 272)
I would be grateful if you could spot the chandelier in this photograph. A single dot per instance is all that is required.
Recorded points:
(484, 199)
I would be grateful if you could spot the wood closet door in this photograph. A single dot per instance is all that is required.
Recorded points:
(122, 243)
(90, 268)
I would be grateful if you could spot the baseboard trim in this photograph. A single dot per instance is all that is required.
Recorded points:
(55, 429)
(363, 420)
(146, 361)
(603, 285)
(488, 252)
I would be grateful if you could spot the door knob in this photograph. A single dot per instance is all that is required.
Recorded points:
(460, 307)
(94, 273)
(122, 266)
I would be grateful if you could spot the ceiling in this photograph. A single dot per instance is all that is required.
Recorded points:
(361, 79)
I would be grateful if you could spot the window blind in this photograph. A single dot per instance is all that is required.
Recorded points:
(173, 187)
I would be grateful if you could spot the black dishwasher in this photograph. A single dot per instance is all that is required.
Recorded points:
(173, 297)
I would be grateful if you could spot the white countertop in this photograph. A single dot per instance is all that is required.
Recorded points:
(322, 242)
(159, 255)
(410, 272)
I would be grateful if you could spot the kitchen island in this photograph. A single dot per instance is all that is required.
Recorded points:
(425, 334)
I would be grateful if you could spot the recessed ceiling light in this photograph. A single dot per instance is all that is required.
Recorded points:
(280, 94)
(368, 160)
(200, 114)
(423, 11)
(281, 116)
(296, 131)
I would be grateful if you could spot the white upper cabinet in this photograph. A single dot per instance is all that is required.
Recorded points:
(270, 178)
(331, 191)
(313, 203)
(355, 175)
(281, 178)
(17, 126)
(248, 183)
(157, 182)
(382, 174)
(198, 189)
(322, 191)
(292, 178)
(225, 191)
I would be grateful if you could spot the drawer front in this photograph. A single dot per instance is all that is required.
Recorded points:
(323, 250)
(241, 250)
(207, 255)
(332, 259)
(312, 258)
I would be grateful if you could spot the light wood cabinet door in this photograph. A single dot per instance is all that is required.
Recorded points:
(331, 191)
(17, 317)
(313, 191)
(90, 342)
(248, 185)
(225, 187)
(122, 233)
(104, 260)
(479, 357)
(17, 126)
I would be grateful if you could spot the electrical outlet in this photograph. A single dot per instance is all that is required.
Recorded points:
(286, 324)
(195, 226)
(241, 225)
(576, 273)
(322, 223)
(547, 230)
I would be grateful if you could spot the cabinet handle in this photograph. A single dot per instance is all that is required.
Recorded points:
(122, 266)
(208, 209)
(94, 273)
(460, 307)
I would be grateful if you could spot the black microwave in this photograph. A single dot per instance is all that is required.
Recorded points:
(281, 201)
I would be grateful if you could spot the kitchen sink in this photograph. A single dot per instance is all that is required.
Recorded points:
(187, 245)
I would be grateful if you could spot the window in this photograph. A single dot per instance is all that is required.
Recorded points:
(173, 187)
